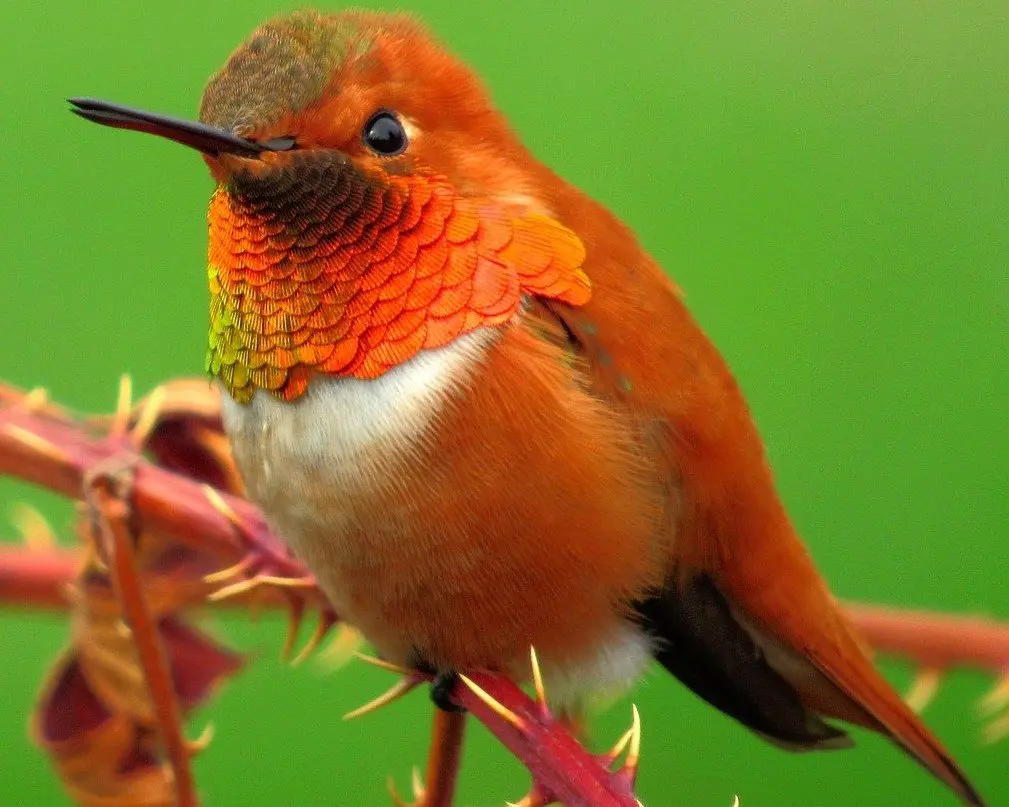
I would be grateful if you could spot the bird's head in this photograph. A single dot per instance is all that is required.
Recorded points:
(371, 202)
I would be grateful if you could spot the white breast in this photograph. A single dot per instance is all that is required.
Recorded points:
(343, 433)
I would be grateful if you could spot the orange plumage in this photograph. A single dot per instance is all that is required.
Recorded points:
(480, 411)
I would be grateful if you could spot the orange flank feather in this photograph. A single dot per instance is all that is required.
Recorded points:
(480, 412)
(732, 525)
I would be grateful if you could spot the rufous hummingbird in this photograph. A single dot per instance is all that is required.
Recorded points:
(480, 412)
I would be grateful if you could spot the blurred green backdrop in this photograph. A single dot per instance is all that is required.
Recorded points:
(827, 181)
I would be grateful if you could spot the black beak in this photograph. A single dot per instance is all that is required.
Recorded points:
(208, 139)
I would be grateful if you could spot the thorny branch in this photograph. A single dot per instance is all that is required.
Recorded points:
(42, 444)
(187, 494)
(116, 536)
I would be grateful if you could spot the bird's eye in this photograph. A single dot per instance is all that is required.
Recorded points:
(280, 144)
(385, 135)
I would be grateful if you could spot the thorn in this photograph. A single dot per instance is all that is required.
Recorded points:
(231, 571)
(124, 403)
(541, 693)
(35, 531)
(735, 801)
(495, 706)
(221, 506)
(321, 629)
(295, 616)
(35, 400)
(37, 444)
(634, 752)
(997, 730)
(618, 747)
(123, 629)
(255, 605)
(201, 743)
(148, 417)
(417, 785)
(402, 687)
(390, 785)
(233, 590)
(534, 798)
(383, 664)
(91, 558)
(923, 688)
(338, 652)
(419, 791)
(286, 582)
(996, 699)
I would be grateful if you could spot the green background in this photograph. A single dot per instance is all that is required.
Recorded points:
(829, 182)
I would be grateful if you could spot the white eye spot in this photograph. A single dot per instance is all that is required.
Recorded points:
(411, 128)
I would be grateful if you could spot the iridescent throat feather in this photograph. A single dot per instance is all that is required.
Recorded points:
(317, 266)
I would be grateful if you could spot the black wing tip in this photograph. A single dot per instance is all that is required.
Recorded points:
(698, 640)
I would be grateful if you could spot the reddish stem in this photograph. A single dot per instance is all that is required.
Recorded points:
(45, 448)
(558, 763)
(36, 578)
(117, 538)
(939, 641)
(57, 455)
(444, 758)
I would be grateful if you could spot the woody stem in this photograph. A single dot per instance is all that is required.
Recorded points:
(34, 578)
(114, 532)
(936, 641)
(444, 757)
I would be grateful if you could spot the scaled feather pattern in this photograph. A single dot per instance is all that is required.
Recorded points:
(325, 268)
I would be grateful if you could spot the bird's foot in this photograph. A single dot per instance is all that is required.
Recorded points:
(442, 688)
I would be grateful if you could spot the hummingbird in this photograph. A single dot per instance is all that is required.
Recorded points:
(480, 412)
